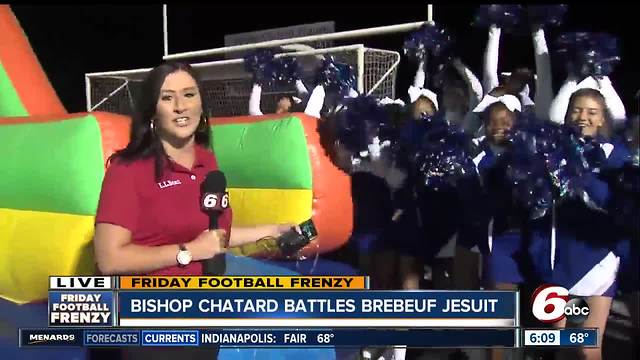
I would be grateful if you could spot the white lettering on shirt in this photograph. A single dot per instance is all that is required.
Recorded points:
(168, 183)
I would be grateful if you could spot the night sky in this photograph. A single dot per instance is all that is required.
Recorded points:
(73, 40)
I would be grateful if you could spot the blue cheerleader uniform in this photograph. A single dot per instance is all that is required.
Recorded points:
(371, 198)
(453, 213)
(438, 216)
(628, 222)
(405, 233)
(510, 254)
(581, 238)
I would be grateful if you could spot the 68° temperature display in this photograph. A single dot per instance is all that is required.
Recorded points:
(561, 337)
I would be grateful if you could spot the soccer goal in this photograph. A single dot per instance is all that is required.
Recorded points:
(227, 86)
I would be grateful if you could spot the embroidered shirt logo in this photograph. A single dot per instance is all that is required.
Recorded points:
(168, 183)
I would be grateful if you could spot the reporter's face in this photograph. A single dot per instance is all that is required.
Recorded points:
(587, 114)
(179, 108)
(501, 120)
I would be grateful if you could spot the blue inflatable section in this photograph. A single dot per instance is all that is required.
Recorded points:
(14, 317)
(248, 266)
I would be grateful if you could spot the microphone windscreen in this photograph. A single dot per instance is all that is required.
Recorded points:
(215, 182)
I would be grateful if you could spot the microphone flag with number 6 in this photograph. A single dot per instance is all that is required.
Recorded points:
(214, 201)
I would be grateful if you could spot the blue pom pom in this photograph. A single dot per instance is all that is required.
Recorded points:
(503, 16)
(573, 162)
(625, 200)
(589, 54)
(543, 15)
(429, 38)
(361, 121)
(287, 70)
(525, 167)
(443, 155)
(336, 77)
(259, 63)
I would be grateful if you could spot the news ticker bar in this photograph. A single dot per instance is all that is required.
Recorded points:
(561, 337)
(208, 282)
(425, 338)
(285, 308)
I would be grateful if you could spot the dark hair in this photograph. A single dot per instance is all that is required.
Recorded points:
(518, 79)
(606, 129)
(486, 114)
(143, 143)
(294, 106)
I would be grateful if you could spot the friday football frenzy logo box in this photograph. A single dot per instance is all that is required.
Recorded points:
(551, 304)
(77, 301)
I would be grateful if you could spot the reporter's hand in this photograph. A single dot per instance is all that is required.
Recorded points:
(208, 244)
(283, 228)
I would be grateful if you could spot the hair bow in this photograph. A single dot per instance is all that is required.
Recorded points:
(388, 101)
(511, 102)
(416, 92)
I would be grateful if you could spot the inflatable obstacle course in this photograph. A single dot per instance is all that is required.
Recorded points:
(277, 172)
(25, 89)
(276, 168)
(53, 169)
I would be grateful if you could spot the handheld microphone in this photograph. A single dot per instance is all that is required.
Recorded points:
(214, 201)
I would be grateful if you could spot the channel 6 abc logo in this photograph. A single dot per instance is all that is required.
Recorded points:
(551, 303)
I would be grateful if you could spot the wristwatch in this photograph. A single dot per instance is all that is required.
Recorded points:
(184, 256)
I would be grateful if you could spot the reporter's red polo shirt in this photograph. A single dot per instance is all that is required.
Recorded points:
(159, 212)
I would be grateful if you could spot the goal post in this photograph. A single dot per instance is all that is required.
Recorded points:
(227, 86)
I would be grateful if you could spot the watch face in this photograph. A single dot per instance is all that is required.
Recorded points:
(184, 257)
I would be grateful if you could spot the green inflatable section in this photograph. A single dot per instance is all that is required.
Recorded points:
(10, 103)
(52, 166)
(269, 154)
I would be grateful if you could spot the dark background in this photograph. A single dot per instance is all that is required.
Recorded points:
(73, 40)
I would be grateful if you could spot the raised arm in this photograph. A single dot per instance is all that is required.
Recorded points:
(559, 104)
(420, 77)
(473, 84)
(316, 102)
(612, 99)
(302, 90)
(544, 90)
(490, 72)
(254, 100)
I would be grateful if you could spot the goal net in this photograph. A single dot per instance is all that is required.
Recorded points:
(227, 86)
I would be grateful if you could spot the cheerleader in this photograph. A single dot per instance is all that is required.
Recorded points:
(423, 100)
(501, 267)
(580, 236)
(404, 232)
(375, 178)
(440, 214)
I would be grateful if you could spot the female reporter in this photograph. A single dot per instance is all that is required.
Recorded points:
(149, 219)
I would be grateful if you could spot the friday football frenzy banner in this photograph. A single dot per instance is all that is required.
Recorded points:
(268, 302)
